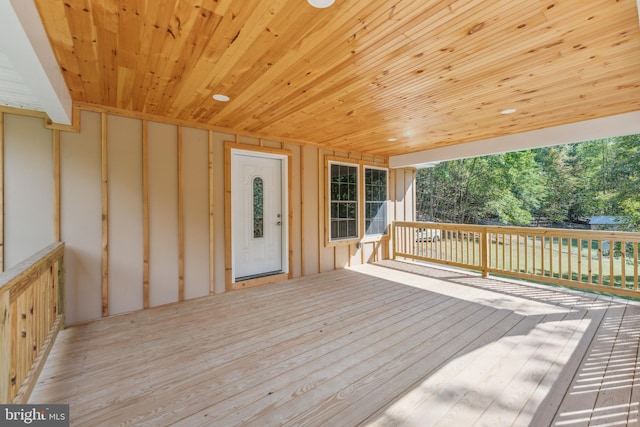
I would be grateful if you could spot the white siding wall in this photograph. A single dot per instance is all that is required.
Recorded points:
(81, 219)
(28, 165)
(195, 157)
(124, 142)
(163, 214)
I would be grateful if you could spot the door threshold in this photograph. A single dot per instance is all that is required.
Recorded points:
(258, 276)
(261, 279)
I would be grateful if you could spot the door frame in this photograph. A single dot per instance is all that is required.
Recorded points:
(231, 148)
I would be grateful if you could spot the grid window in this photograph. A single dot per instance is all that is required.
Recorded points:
(375, 212)
(343, 189)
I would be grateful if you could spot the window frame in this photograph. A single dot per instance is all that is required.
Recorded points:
(375, 236)
(329, 203)
(361, 203)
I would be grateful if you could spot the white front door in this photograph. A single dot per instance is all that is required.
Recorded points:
(257, 220)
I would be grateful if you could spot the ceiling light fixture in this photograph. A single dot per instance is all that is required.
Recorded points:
(392, 139)
(220, 97)
(321, 4)
(508, 111)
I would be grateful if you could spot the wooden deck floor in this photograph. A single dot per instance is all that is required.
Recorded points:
(380, 345)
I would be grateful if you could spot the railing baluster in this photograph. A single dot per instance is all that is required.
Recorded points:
(510, 251)
(600, 255)
(484, 252)
(623, 262)
(526, 253)
(404, 240)
(534, 251)
(589, 267)
(579, 260)
(518, 252)
(612, 259)
(498, 264)
(542, 255)
(474, 246)
(636, 261)
(569, 259)
(559, 239)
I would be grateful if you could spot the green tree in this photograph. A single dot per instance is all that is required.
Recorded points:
(625, 175)
(503, 187)
(557, 199)
(562, 183)
(519, 187)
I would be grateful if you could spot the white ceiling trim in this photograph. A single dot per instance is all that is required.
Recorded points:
(26, 46)
(607, 127)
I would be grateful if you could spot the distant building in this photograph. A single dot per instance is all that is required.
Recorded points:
(607, 222)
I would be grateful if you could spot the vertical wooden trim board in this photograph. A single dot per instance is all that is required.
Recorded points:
(395, 194)
(321, 219)
(404, 194)
(290, 213)
(413, 195)
(212, 244)
(1, 191)
(180, 219)
(361, 202)
(57, 232)
(105, 217)
(228, 251)
(392, 195)
(302, 211)
(145, 213)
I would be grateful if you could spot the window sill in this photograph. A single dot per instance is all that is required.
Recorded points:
(348, 242)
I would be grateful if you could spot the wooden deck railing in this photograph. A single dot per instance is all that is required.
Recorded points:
(31, 313)
(605, 261)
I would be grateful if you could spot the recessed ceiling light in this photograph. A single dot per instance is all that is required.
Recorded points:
(321, 4)
(220, 97)
(508, 111)
(392, 139)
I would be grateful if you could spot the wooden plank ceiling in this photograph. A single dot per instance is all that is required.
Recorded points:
(430, 73)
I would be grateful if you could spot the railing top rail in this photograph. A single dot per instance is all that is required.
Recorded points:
(566, 232)
(531, 231)
(439, 225)
(24, 271)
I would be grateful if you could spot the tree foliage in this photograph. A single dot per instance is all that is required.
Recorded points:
(560, 184)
